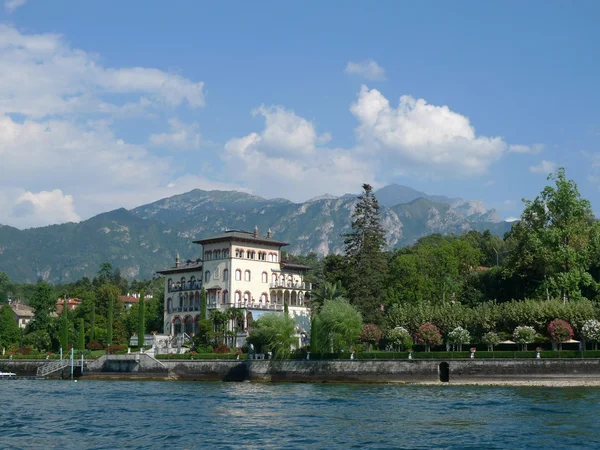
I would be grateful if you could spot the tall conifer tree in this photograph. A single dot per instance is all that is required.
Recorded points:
(364, 248)
(81, 335)
(142, 319)
(64, 327)
(109, 324)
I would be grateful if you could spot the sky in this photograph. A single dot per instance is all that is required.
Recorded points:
(117, 104)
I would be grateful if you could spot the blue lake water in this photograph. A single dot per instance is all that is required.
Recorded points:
(186, 415)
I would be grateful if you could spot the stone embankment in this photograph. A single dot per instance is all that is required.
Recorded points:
(467, 371)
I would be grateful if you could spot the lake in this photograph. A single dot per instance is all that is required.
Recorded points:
(189, 415)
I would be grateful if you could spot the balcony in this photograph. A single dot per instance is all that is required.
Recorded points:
(186, 287)
(290, 285)
(180, 309)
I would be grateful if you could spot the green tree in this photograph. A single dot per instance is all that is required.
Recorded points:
(203, 304)
(367, 264)
(273, 333)
(81, 339)
(325, 291)
(142, 319)
(552, 246)
(338, 326)
(64, 326)
(9, 330)
(44, 303)
(5, 287)
(109, 323)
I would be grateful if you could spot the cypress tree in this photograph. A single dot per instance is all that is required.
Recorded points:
(109, 324)
(203, 304)
(81, 335)
(286, 311)
(364, 248)
(142, 319)
(314, 345)
(93, 322)
(64, 327)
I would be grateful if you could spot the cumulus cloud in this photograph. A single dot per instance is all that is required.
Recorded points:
(288, 155)
(45, 207)
(181, 136)
(43, 75)
(519, 148)
(367, 69)
(422, 135)
(11, 5)
(545, 167)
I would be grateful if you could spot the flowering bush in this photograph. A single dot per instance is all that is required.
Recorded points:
(490, 339)
(399, 338)
(429, 335)
(560, 331)
(94, 345)
(591, 331)
(524, 335)
(370, 334)
(222, 349)
(459, 336)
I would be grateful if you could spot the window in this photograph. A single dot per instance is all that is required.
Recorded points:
(262, 256)
(274, 278)
(208, 255)
(239, 253)
(263, 298)
(248, 254)
(225, 275)
(238, 296)
(274, 257)
(216, 274)
(225, 296)
(265, 277)
(238, 275)
(246, 296)
(217, 254)
(207, 276)
(226, 253)
(247, 275)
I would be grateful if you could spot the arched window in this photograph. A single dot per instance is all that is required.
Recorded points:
(182, 282)
(226, 253)
(238, 296)
(192, 282)
(247, 276)
(274, 278)
(180, 302)
(263, 297)
(246, 297)
(248, 254)
(169, 285)
(225, 297)
(217, 254)
(169, 305)
(274, 257)
(282, 279)
(177, 325)
(207, 276)
(216, 274)
(238, 275)
(265, 277)
(208, 255)
(225, 274)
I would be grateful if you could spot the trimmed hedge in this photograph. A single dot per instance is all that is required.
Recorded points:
(197, 356)
(454, 355)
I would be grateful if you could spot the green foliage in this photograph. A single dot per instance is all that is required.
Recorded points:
(44, 303)
(338, 326)
(275, 333)
(560, 331)
(9, 330)
(64, 326)
(429, 335)
(370, 334)
(109, 322)
(524, 335)
(399, 338)
(459, 336)
(39, 340)
(490, 339)
(142, 318)
(203, 304)
(366, 262)
(81, 337)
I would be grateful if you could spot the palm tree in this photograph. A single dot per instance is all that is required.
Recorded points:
(326, 291)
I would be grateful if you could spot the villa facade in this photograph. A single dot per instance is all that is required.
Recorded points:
(238, 269)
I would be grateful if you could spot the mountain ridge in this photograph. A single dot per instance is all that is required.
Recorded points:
(144, 239)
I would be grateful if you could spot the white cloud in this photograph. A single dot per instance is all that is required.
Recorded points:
(545, 167)
(181, 136)
(420, 135)
(512, 219)
(286, 159)
(45, 207)
(43, 75)
(368, 69)
(519, 148)
(11, 5)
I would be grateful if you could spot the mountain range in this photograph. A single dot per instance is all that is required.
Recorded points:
(145, 239)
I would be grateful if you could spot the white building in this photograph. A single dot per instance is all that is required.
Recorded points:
(238, 269)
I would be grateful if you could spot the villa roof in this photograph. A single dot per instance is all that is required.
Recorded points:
(240, 235)
(22, 310)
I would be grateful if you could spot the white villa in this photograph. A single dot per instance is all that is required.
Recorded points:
(238, 269)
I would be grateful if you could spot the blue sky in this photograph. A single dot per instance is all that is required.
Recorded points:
(110, 104)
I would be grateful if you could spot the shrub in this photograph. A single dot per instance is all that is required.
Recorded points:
(429, 335)
(370, 334)
(459, 336)
(223, 349)
(524, 335)
(94, 345)
(114, 348)
(490, 339)
(399, 337)
(560, 331)
(591, 331)
(204, 349)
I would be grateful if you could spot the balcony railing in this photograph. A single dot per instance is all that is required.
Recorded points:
(185, 287)
(291, 285)
(177, 309)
